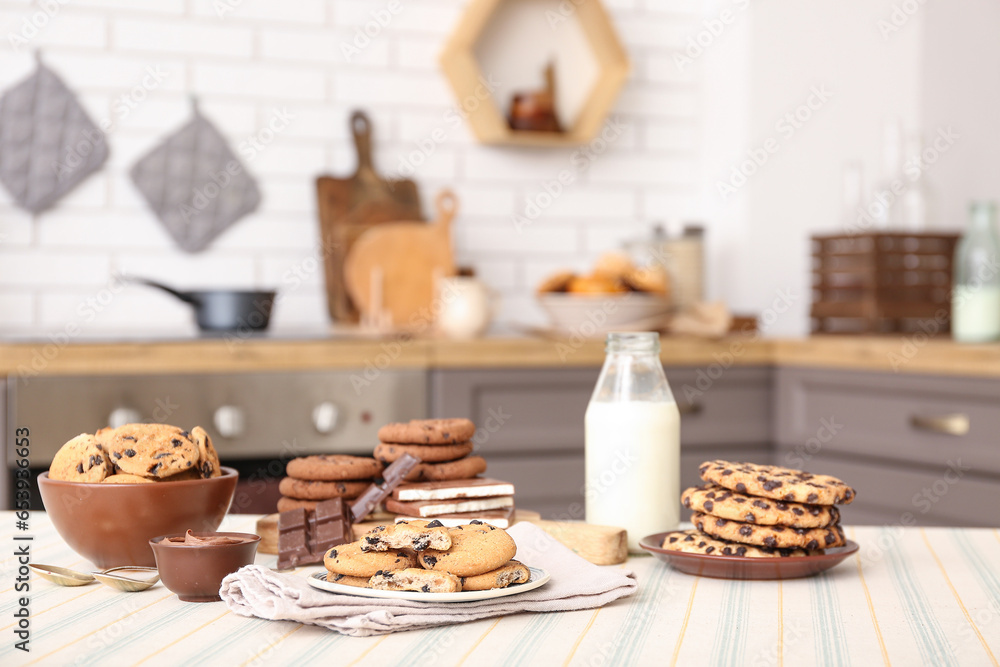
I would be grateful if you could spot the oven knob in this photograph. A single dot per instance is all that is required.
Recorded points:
(122, 415)
(229, 421)
(325, 417)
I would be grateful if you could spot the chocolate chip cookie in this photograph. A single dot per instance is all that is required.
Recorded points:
(465, 468)
(82, 459)
(151, 450)
(125, 478)
(387, 453)
(333, 467)
(415, 579)
(208, 458)
(774, 537)
(349, 559)
(476, 548)
(304, 489)
(502, 577)
(360, 582)
(778, 483)
(428, 432)
(697, 542)
(721, 502)
(416, 535)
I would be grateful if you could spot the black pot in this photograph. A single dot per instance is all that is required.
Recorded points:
(224, 310)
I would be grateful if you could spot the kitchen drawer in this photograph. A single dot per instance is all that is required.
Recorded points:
(531, 410)
(552, 485)
(886, 416)
(734, 408)
(932, 496)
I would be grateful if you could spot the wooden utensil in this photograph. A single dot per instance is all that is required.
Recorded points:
(406, 258)
(350, 206)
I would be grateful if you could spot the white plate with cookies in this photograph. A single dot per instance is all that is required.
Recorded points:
(538, 579)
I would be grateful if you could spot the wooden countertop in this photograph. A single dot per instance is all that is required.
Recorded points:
(893, 354)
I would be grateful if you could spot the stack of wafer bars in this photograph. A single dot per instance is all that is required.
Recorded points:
(445, 486)
(760, 511)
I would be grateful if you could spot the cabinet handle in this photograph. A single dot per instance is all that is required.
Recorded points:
(689, 408)
(954, 424)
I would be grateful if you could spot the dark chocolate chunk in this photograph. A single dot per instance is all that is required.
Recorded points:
(435, 524)
(761, 505)
(746, 531)
(812, 544)
(750, 518)
(740, 551)
(475, 522)
(161, 455)
(79, 468)
(153, 469)
(709, 550)
(426, 588)
(709, 505)
(770, 541)
(798, 512)
(771, 485)
(721, 522)
(430, 560)
(129, 437)
(129, 453)
(741, 487)
(812, 497)
(176, 443)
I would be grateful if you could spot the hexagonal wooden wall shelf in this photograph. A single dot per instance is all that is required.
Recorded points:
(607, 58)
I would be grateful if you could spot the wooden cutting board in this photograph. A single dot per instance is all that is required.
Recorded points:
(348, 207)
(391, 269)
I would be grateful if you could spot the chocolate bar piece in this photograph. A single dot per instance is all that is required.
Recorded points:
(305, 536)
(477, 487)
(500, 518)
(428, 508)
(377, 493)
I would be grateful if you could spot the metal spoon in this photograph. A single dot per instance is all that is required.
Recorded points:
(66, 577)
(62, 575)
(127, 584)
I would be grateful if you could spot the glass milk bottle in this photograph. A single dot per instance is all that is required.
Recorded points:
(633, 441)
(975, 301)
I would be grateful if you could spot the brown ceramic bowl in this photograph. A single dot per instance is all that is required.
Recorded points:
(195, 571)
(738, 567)
(111, 524)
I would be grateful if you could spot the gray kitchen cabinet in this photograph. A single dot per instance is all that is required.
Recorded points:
(919, 449)
(531, 424)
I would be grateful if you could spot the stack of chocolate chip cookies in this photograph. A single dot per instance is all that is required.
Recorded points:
(445, 484)
(313, 479)
(428, 557)
(753, 510)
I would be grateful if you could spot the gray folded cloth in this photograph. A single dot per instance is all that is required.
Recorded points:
(575, 584)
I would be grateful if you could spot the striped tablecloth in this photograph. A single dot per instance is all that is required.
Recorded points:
(909, 597)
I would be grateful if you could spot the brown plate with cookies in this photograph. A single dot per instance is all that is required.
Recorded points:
(722, 566)
(538, 579)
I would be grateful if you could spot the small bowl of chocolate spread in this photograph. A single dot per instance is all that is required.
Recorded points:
(193, 564)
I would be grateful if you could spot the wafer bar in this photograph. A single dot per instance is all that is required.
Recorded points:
(429, 508)
(476, 487)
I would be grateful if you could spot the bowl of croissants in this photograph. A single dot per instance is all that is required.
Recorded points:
(617, 295)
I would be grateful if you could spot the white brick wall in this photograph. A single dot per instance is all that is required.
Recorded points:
(261, 55)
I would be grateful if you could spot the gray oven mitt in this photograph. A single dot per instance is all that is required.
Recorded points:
(195, 184)
(48, 144)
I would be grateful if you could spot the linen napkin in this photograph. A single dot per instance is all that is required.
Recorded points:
(255, 590)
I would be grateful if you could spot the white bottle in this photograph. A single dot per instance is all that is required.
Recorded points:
(975, 301)
(633, 441)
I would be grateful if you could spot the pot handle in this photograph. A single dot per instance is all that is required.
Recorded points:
(186, 297)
